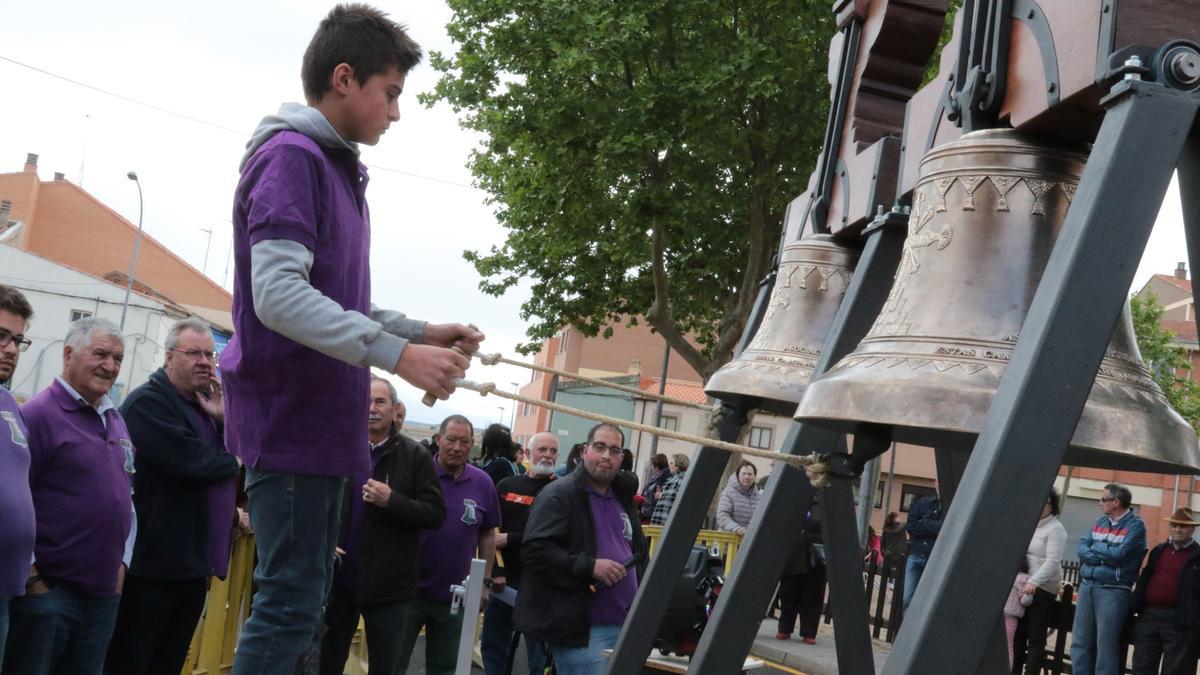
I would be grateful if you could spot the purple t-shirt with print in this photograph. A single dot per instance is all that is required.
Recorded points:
(79, 476)
(614, 541)
(472, 507)
(16, 502)
(292, 408)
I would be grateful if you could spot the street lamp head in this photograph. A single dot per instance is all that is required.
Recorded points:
(132, 175)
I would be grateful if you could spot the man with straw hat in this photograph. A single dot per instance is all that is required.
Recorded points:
(1167, 602)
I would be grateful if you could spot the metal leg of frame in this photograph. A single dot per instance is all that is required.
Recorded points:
(732, 627)
(847, 596)
(1189, 196)
(1039, 401)
(678, 537)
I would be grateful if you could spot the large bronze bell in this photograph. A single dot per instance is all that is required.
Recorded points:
(773, 370)
(986, 212)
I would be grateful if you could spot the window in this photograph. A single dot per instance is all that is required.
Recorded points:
(909, 494)
(669, 422)
(760, 437)
(77, 314)
(526, 409)
(879, 495)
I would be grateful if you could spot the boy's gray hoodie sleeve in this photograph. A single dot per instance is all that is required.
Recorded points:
(286, 302)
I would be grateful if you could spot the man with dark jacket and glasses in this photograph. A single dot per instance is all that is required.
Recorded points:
(184, 488)
(583, 552)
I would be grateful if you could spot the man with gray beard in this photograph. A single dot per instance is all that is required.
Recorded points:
(516, 498)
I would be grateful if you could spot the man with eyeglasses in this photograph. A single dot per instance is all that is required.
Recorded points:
(583, 553)
(16, 502)
(81, 462)
(1111, 554)
(184, 485)
(469, 531)
(1167, 603)
(517, 494)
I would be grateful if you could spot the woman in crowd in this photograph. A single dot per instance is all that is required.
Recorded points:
(739, 499)
(894, 543)
(666, 497)
(499, 459)
(1044, 557)
(662, 473)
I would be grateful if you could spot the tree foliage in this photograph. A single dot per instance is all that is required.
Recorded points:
(639, 154)
(1168, 362)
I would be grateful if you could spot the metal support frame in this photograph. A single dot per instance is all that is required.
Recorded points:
(1038, 403)
(733, 625)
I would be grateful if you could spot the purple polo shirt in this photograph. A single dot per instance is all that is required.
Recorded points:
(614, 541)
(222, 497)
(291, 408)
(81, 491)
(472, 507)
(16, 502)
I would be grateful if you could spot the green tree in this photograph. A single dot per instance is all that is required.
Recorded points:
(639, 154)
(1165, 358)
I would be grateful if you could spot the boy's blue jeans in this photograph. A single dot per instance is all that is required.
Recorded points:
(295, 520)
(1096, 636)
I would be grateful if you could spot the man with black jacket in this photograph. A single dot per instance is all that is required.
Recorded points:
(1167, 603)
(383, 514)
(517, 494)
(583, 551)
(184, 492)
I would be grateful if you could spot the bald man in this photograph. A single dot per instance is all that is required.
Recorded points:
(516, 497)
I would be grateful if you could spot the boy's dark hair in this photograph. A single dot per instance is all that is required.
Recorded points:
(13, 301)
(660, 462)
(497, 440)
(361, 36)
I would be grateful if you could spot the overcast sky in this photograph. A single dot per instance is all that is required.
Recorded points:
(226, 65)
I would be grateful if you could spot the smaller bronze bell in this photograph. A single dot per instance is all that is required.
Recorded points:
(773, 371)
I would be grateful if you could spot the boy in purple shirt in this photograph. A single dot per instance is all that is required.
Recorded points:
(81, 459)
(469, 531)
(16, 503)
(583, 552)
(295, 373)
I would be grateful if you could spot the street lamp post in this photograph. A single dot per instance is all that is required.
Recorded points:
(137, 245)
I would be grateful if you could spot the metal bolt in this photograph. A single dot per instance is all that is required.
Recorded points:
(1133, 62)
(1185, 67)
(1051, 87)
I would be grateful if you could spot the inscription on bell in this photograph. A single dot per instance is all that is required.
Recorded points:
(955, 351)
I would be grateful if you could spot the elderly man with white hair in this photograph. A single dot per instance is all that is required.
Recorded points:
(516, 498)
(81, 462)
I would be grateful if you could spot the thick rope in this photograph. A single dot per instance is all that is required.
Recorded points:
(815, 467)
(493, 359)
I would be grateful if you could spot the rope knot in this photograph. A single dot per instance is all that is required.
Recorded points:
(487, 388)
(489, 359)
(817, 470)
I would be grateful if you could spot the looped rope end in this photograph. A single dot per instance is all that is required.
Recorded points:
(489, 359)
(817, 471)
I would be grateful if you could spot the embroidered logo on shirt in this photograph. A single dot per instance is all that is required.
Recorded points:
(17, 436)
(469, 516)
(128, 448)
(626, 527)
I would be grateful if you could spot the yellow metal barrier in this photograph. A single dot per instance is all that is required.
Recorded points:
(228, 606)
(726, 542)
(225, 610)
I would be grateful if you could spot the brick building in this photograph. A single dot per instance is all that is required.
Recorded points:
(61, 221)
